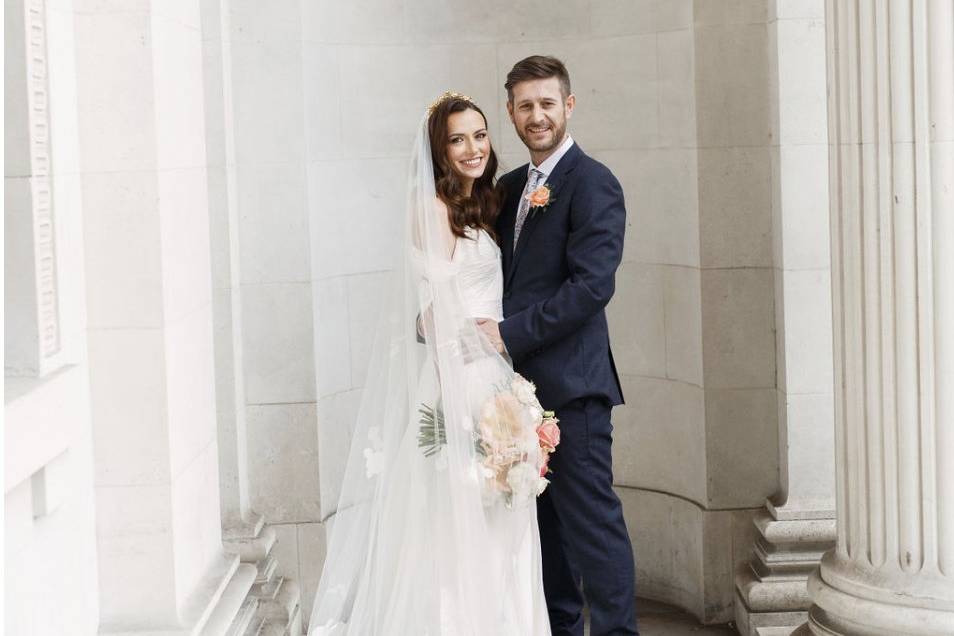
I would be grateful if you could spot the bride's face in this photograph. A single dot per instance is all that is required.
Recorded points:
(468, 144)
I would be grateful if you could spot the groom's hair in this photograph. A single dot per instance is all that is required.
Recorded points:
(538, 67)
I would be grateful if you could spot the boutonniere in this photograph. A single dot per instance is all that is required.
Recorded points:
(540, 198)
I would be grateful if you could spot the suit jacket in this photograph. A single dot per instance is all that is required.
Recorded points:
(560, 278)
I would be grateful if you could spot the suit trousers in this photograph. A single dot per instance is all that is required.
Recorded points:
(582, 531)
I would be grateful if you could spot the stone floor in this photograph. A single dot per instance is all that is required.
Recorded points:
(657, 619)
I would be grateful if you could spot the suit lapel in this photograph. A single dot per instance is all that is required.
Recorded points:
(556, 180)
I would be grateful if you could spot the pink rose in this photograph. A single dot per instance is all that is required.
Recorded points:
(540, 197)
(549, 434)
(546, 467)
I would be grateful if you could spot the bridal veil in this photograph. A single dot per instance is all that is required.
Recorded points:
(424, 540)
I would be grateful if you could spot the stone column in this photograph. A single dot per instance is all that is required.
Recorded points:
(891, 114)
(238, 518)
(162, 566)
(798, 523)
(272, 550)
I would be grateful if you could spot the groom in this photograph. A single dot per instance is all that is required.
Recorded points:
(561, 232)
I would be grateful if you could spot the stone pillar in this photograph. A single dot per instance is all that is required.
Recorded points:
(49, 523)
(798, 523)
(891, 119)
(162, 567)
(274, 600)
(238, 519)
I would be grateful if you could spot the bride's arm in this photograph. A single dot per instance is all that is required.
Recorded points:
(445, 236)
(444, 249)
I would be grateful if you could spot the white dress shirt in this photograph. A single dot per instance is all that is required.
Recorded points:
(550, 162)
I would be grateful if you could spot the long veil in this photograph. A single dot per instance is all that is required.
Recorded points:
(430, 535)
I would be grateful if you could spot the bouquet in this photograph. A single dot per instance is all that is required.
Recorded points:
(513, 440)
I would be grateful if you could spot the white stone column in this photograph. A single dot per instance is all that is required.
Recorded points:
(162, 567)
(798, 523)
(272, 550)
(891, 114)
(49, 523)
(238, 519)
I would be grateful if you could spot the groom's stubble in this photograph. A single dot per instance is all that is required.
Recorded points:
(540, 103)
(548, 146)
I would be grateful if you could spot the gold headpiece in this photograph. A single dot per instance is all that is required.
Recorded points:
(446, 95)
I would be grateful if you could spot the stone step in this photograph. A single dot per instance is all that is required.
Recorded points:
(230, 602)
(256, 627)
(245, 530)
(292, 627)
(255, 549)
(266, 569)
(245, 618)
(268, 590)
(281, 601)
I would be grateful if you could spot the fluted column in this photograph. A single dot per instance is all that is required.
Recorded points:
(797, 524)
(891, 117)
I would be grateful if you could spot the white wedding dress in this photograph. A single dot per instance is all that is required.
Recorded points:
(416, 547)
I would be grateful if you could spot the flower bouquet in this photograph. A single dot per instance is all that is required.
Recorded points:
(513, 440)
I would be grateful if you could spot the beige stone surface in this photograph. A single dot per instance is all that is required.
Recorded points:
(738, 328)
(273, 227)
(683, 304)
(735, 221)
(685, 555)
(277, 339)
(312, 547)
(659, 439)
(638, 320)
(742, 438)
(283, 481)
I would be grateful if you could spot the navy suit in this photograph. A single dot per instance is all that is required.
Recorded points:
(557, 284)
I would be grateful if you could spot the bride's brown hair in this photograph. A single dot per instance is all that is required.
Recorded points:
(479, 210)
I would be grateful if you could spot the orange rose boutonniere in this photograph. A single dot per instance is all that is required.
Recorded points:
(540, 198)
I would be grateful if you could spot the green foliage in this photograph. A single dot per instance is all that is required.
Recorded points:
(432, 434)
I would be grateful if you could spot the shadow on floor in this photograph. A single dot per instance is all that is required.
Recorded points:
(658, 619)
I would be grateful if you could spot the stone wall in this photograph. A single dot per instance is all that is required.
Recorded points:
(673, 96)
(278, 174)
(51, 578)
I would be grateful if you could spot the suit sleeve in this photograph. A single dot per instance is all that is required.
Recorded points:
(594, 250)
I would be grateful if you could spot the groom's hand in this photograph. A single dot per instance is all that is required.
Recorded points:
(492, 331)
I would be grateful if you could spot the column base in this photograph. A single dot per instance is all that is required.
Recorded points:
(839, 612)
(771, 593)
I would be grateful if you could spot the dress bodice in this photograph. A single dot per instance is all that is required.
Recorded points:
(480, 274)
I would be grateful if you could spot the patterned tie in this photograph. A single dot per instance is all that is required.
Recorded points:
(535, 177)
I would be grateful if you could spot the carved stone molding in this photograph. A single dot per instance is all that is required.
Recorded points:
(43, 219)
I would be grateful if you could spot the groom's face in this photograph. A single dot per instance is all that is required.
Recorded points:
(539, 112)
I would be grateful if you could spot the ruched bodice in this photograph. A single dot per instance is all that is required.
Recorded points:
(480, 275)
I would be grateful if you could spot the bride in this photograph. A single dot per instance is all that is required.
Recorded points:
(436, 529)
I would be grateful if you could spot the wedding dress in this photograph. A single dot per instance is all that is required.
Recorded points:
(426, 539)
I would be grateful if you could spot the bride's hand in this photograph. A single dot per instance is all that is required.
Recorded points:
(491, 329)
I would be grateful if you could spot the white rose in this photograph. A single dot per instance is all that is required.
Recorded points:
(537, 414)
(529, 444)
(524, 390)
(524, 481)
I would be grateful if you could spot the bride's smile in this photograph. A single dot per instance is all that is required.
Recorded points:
(468, 145)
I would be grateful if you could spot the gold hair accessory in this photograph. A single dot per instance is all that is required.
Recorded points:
(446, 95)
